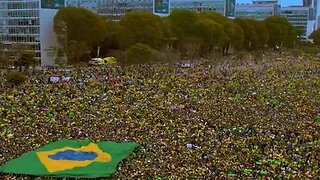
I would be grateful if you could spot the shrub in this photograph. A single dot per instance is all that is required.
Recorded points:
(120, 55)
(308, 49)
(15, 78)
(139, 54)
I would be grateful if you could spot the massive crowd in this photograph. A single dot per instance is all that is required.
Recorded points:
(201, 122)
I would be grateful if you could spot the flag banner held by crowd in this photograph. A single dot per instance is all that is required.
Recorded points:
(318, 120)
(71, 158)
(231, 174)
(247, 171)
(274, 162)
(55, 79)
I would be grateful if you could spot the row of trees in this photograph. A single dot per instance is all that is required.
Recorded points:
(19, 56)
(315, 35)
(80, 32)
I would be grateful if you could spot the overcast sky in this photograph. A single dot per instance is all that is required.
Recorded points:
(284, 3)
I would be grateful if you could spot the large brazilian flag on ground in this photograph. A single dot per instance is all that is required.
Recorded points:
(71, 158)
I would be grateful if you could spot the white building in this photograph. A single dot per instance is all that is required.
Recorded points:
(20, 24)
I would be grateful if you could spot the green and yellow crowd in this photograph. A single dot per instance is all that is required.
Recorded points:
(201, 122)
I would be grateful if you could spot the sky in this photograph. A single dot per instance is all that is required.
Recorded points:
(284, 3)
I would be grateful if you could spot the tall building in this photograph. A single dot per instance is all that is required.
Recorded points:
(258, 10)
(113, 9)
(303, 17)
(20, 24)
(313, 5)
(204, 5)
(300, 17)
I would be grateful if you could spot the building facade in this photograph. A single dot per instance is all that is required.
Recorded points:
(259, 9)
(313, 5)
(20, 25)
(113, 9)
(300, 17)
(205, 5)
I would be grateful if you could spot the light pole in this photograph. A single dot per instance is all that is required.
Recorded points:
(67, 43)
(65, 29)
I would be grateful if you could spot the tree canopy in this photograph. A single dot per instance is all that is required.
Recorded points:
(315, 35)
(193, 34)
(79, 29)
(281, 32)
(141, 27)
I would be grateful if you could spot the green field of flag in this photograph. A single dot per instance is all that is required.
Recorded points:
(71, 158)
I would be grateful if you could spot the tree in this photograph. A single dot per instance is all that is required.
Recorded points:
(208, 31)
(76, 50)
(141, 27)
(60, 57)
(281, 32)
(231, 35)
(182, 24)
(15, 78)
(110, 42)
(315, 35)
(250, 35)
(139, 54)
(17, 49)
(74, 25)
(4, 59)
(22, 56)
(300, 32)
(261, 32)
(190, 47)
(291, 37)
(235, 33)
(27, 59)
(218, 18)
(197, 33)
(224, 42)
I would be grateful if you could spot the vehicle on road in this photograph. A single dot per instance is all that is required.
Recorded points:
(103, 61)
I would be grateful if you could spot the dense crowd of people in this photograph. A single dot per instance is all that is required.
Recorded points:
(201, 122)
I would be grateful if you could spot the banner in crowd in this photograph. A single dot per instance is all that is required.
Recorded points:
(71, 158)
(57, 79)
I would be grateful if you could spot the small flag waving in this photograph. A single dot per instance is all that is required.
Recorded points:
(71, 158)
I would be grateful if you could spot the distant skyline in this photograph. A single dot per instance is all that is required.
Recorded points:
(284, 3)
